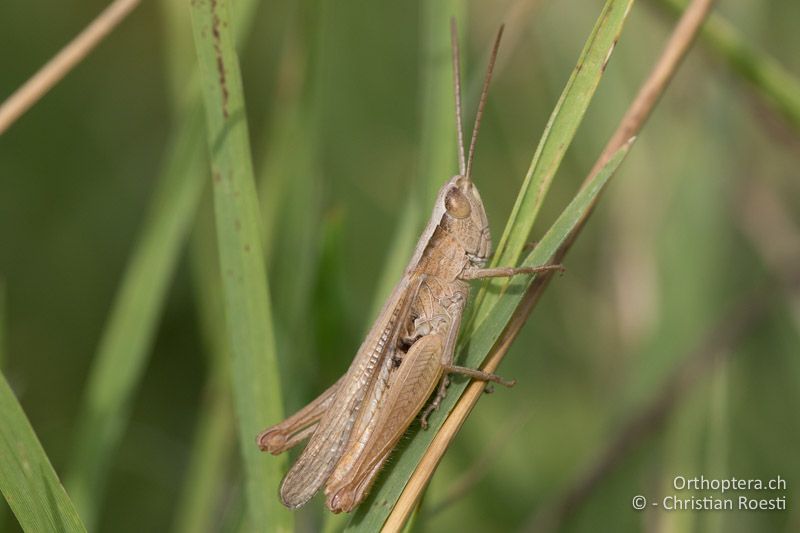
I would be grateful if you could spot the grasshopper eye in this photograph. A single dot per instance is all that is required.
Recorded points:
(456, 204)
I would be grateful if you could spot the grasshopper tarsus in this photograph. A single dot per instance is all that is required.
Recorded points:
(434, 406)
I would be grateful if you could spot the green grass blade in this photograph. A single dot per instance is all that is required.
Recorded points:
(3, 505)
(2, 323)
(127, 339)
(214, 443)
(438, 151)
(257, 395)
(557, 136)
(489, 331)
(372, 513)
(27, 479)
(769, 77)
(206, 479)
(295, 176)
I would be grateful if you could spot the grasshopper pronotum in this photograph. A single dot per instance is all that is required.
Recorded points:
(355, 424)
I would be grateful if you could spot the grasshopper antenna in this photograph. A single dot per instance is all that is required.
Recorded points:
(482, 102)
(462, 166)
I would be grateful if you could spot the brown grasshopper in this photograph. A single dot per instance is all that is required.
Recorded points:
(355, 424)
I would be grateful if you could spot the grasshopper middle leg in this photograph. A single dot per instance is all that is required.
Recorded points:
(505, 272)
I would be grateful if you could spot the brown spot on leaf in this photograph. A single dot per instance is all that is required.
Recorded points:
(223, 83)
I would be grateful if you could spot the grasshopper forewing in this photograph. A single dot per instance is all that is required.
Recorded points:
(355, 424)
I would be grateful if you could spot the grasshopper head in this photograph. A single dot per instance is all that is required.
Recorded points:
(464, 217)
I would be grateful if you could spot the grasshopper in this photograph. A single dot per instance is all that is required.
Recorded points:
(355, 424)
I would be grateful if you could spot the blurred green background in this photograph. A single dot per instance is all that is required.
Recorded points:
(702, 218)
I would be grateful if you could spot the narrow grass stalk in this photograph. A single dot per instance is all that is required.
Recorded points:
(257, 396)
(556, 138)
(295, 178)
(437, 143)
(128, 336)
(59, 66)
(207, 477)
(770, 79)
(213, 447)
(27, 479)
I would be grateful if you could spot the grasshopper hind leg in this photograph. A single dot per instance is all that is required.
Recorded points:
(298, 427)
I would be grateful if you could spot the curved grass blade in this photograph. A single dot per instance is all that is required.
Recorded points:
(214, 444)
(125, 345)
(27, 479)
(371, 515)
(257, 395)
(558, 134)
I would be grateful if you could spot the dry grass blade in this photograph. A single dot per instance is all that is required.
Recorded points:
(634, 119)
(58, 67)
(676, 48)
(770, 79)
